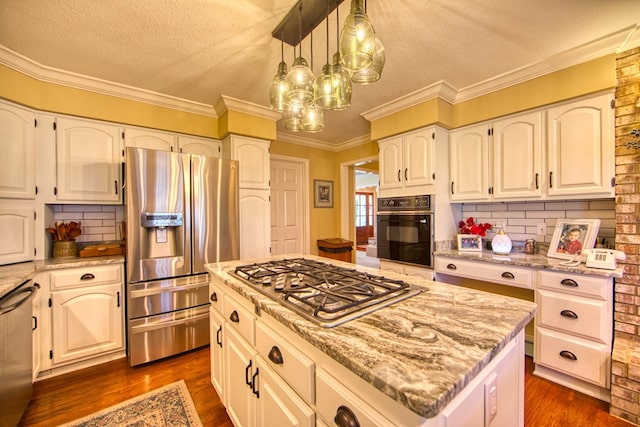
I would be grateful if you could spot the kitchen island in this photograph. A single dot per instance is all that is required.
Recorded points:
(425, 360)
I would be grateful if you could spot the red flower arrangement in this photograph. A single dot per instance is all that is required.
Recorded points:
(469, 226)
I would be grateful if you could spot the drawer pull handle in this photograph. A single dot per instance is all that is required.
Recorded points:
(568, 313)
(568, 355)
(452, 267)
(346, 418)
(87, 276)
(254, 382)
(247, 370)
(275, 355)
(508, 275)
(219, 336)
(214, 297)
(234, 316)
(569, 282)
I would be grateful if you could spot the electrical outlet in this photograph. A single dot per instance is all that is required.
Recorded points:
(542, 229)
(490, 399)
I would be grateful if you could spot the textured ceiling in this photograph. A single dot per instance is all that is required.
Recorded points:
(200, 50)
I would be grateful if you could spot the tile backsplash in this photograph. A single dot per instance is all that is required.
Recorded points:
(99, 223)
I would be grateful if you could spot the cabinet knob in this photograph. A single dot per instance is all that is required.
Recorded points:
(568, 355)
(452, 267)
(346, 418)
(214, 297)
(569, 282)
(234, 317)
(275, 355)
(508, 275)
(568, 313)
(87, 276)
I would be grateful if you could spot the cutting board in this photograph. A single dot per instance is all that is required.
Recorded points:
(101, 250)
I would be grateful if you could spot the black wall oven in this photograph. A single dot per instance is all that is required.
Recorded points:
(405, 229)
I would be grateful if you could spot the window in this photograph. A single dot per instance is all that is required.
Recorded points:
(364, 209)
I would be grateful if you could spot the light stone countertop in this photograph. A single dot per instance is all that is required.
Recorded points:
(533, 261)
(421, 352)
(12, 275)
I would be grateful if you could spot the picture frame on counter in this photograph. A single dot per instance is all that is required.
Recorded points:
(469, 243)
(571, 236)
(322, 193)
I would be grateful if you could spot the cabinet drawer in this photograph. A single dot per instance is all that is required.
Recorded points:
(239, 318)
(558, 351)
(215, 297)
(588, 317)
(85, 276)
(332, 396)
(576, 284)
(294, 367)
(503, 274)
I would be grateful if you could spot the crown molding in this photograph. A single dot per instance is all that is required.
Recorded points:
(47, 74)
(440, 89)
(310, 142)
(229, 103)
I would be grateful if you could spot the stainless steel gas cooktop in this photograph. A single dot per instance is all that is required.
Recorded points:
(321, 292)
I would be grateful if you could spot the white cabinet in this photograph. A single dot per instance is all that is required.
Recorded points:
(239, 370)
(409, 270)
(150, 139)
(500, 160)
(504, 274)
(36, 348)
(217, 356)
(254, 169)
(574, 327)
(17, 144)
(197, 145)
(408, 161)
(87, 312)
(581, 148)
(88, 162)
(17, 228)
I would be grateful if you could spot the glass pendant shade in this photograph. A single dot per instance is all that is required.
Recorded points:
(357, 39)
(312, 118)
(373, 72)
(341, 85)
(300, 81)
(323, 88)
(293, 118)
(279, 89)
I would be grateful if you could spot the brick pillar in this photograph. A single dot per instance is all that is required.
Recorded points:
(625, 378)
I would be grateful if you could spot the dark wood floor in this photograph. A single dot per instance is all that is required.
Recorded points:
(71, 396)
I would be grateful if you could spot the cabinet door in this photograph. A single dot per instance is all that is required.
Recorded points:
(517, 155)
(88, 162)
(17, 144)
(200, 146)
(36, 349)
(581, 148)
(390, 158)
(418, 158)
(254, 161)
(469, 164)
(151, 139)
(255, 223)
(239, 370)
(17, 230)
(217, 353)
(277, 404)
(87, 322)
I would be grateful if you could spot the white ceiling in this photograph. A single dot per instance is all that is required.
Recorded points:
(200, 50)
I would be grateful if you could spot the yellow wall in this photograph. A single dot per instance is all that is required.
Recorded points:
(245, 124)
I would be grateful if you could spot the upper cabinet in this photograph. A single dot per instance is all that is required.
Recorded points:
(581, 148)
(151, 139)
(201, 146)
(254, 160)
(514, 158)
(407, 162)
(89, 162)
(17, 143)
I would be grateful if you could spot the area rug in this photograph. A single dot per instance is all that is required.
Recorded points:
(168, 406)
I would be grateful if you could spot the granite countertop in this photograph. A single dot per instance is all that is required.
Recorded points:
(533, 261)
(420, 352)
(13, 275)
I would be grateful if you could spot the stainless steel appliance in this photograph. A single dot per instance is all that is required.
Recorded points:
(16, 376)
(405, 229)
(321, 292)
(182, 213)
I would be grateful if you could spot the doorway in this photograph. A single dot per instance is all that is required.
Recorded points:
(363, 207)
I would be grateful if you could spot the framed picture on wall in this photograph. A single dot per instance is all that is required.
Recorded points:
(571, 236)
(322, 194)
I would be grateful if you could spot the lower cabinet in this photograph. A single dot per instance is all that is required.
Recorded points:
(409, 270)
(35, 336)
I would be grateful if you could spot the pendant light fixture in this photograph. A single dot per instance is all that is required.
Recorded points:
(323, 86)
(341, 88)
(357, 40)
(279, 89)
(300, 78)
(373, 72)
(312, 115)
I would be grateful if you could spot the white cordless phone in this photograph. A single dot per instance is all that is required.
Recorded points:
(603, 258)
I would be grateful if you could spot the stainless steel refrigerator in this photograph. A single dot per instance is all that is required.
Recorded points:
(182, 213)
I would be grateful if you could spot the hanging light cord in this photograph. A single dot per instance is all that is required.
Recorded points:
(328, 31)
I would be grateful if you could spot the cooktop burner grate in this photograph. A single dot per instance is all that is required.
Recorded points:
(322, 292)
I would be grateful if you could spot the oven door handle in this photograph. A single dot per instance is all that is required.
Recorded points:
(405, 213)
